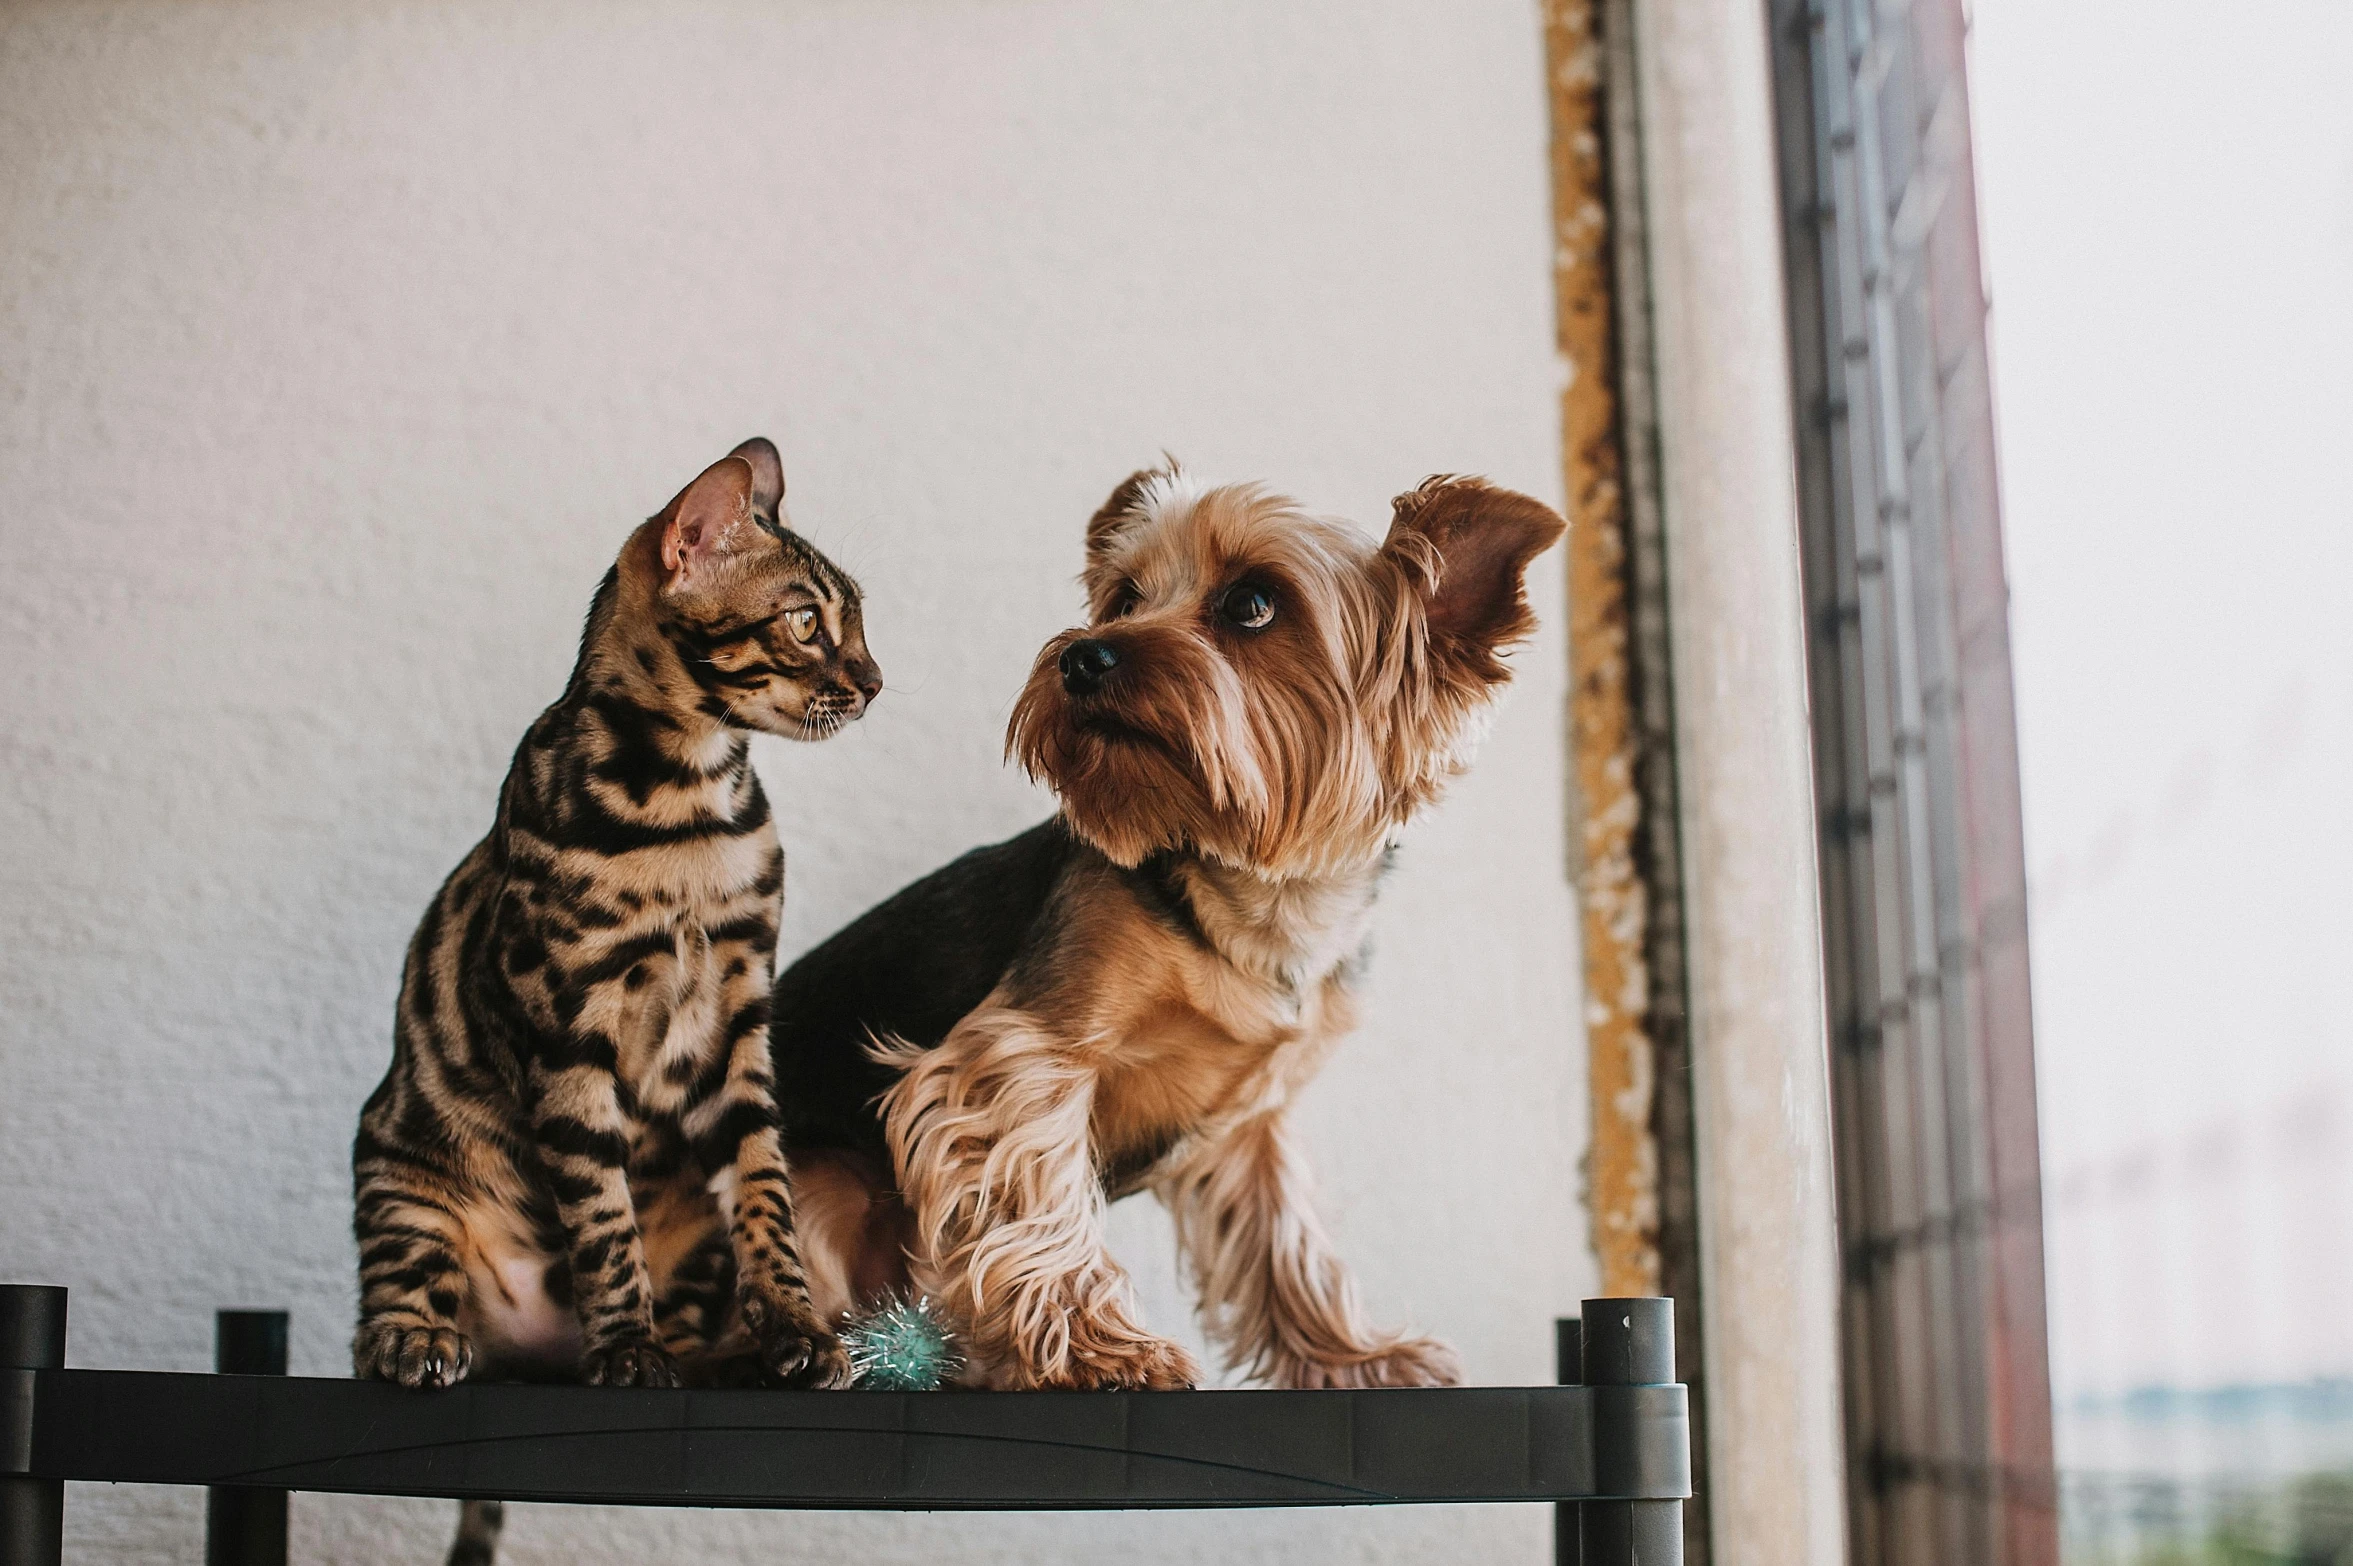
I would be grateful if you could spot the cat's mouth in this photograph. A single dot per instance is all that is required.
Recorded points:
(822, 717)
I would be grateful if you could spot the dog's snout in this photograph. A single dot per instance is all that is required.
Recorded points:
(1086, 665)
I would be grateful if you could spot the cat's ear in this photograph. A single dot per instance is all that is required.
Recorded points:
(710, 519)
(767, 477)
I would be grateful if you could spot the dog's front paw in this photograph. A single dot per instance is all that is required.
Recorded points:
(1406, 1362)
(629, 1362)
(413, 1355)
(1131, 1365)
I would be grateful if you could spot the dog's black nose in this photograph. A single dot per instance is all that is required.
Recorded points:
(1086, 665)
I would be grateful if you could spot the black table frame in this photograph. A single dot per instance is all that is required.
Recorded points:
(1613, 1450)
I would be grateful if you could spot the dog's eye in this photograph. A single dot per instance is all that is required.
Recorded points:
(1125, 604)
(1248, 606)
(802, 623)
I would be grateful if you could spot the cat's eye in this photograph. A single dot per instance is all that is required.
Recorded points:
(802, 623)
(1247, 605)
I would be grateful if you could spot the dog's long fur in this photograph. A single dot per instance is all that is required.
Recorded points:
(1130, 995)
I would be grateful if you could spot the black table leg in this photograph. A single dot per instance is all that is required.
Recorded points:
(245, 1526)
(32, 1337)
(1629, 1343)
(1568, 1365)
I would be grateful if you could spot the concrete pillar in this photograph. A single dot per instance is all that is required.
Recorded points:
(1760, 1074)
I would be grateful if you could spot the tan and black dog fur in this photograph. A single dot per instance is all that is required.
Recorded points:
(1129, 996)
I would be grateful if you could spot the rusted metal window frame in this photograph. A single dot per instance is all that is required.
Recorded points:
(1623, 807)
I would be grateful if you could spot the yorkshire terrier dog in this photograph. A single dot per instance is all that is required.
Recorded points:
(1129, 996)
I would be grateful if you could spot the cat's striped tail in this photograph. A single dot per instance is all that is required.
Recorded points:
(479, 1523)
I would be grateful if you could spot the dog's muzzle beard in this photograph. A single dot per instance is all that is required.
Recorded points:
(1112, 728)
(1087, 666)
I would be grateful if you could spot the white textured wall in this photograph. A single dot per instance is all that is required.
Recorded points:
(340, 345)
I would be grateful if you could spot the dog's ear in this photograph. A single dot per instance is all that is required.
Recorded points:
(767, 477)
(1125, 505)
(1465, 545)
(710, 520)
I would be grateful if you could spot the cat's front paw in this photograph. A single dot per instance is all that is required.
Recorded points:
(1133, 1365)
(1406, 1362)
(413, 1355)
(794, 1350)
(817, 1360)
(630, 1362)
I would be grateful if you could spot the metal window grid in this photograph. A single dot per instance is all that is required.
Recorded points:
(1922, 866)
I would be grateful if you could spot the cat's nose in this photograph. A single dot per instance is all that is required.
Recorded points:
(867, 676)
(1086, 665)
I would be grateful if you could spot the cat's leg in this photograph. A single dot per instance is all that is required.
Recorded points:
(991, 1135)
(695, 1316)
(694, 1295)
(738, 1133)
(1272, 1289)
(411, 1194)
(411, 1277)
(583, 1136)
(407, 1216)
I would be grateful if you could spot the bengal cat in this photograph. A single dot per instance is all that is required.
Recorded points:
(573, 1166)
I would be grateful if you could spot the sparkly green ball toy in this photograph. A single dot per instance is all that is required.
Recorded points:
(901, 1345)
